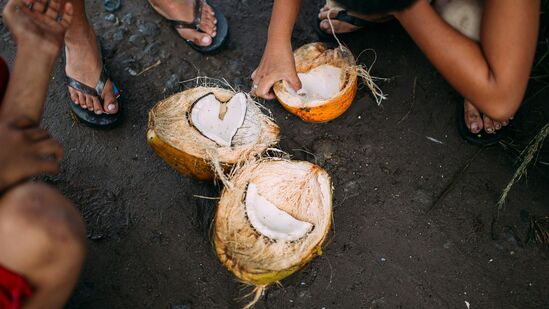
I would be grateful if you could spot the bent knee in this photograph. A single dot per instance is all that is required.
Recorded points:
(38, 208)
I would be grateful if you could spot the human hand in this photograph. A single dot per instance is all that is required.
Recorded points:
(276, 64)
(38, 26)
(26, 151)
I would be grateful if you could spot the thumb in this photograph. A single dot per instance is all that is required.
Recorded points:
(294, 81)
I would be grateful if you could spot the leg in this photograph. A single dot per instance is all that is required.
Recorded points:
(85, 64)
(42, 238)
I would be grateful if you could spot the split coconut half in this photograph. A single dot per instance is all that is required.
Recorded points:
(273, 221)
(329, 80)
(206, 130)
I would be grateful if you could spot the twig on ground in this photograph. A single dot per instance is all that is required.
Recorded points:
(152, 66)
(454, 179)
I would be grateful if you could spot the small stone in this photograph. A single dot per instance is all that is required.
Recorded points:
(128, 19)
(138, 40)
(181, 306)
(149, 29)
(118, 35)
(110, 18)
(324, 150)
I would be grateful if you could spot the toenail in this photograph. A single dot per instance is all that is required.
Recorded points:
(111, 107)
(205, 40)
(474, 127)
(489, 130)
(98, 112)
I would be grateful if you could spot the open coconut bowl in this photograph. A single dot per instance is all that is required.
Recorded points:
(301, 189)
(309, 57)
(173, 137)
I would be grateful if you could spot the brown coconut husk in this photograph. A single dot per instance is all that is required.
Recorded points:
(174, 138)
(299, 188)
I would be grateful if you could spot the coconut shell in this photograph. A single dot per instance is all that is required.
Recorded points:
(310, 56)
(173, 137)
(301, 189)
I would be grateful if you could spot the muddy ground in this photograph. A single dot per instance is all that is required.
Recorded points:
(393, 245)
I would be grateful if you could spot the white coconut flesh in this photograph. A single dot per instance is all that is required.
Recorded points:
(219, 121)
(317, 86)
(270, 221)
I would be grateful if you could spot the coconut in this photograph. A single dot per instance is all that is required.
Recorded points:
(329, 79)
(465, 16)
(204, 131)
(273, 221)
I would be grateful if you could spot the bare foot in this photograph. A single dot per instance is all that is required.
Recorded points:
(344, 27)
(84, 64)
(475, 122)
(183, 10)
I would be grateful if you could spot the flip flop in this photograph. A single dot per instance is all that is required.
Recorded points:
(482, 138)
(343, 16)
(90, 118)
(222, 25)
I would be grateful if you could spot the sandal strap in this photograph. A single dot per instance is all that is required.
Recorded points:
(195, 24)
(345, 17)
(95, 92)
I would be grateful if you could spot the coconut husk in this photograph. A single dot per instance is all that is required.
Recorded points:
(309, 57)
(301, 189)
(182, 146)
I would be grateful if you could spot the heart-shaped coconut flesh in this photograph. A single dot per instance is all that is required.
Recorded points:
(317, 85)
(217, 122)
(270, 221)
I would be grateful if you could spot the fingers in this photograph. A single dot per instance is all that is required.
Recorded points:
(264, 88)
(49, 148)
(294, 81)
(36, 134)
(22, 122)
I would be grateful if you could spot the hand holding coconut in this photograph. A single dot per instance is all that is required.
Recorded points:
(277, 63)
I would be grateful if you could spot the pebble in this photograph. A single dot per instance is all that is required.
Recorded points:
(110, 18)
(324, 149)
(128, 19)
(118, 35)
(138, 40)
(149, 29)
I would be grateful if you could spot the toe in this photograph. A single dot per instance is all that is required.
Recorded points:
(472, 118)
(110, 104)
(497, 125)
(89, 103)
(82, 100)
(74, 95)
(97, 108)
(325, 26)
(488, 125)
(198, 38)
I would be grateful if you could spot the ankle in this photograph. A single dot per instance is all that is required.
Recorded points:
(79, 36)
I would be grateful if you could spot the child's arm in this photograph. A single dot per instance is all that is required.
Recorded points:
(492, 74)
(277, 62)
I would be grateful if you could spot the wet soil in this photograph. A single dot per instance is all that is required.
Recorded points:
(412, 228)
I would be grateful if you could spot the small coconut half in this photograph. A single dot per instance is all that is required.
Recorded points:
(274, 220)
(206, 127)
(329, 83)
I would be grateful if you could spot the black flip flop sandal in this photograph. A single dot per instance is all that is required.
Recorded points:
(482, 138)
(103, 121)
(222, 28)
(343, 16)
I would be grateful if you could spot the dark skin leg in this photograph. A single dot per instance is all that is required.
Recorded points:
(85, 64)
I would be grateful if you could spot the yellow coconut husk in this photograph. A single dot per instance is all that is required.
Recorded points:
(301, 189)
(174, 138)
(309, 57)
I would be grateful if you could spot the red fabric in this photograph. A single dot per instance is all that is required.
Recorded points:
(14, 290)
(4, 77)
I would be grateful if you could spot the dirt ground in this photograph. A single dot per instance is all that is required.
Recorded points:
(393, 244)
